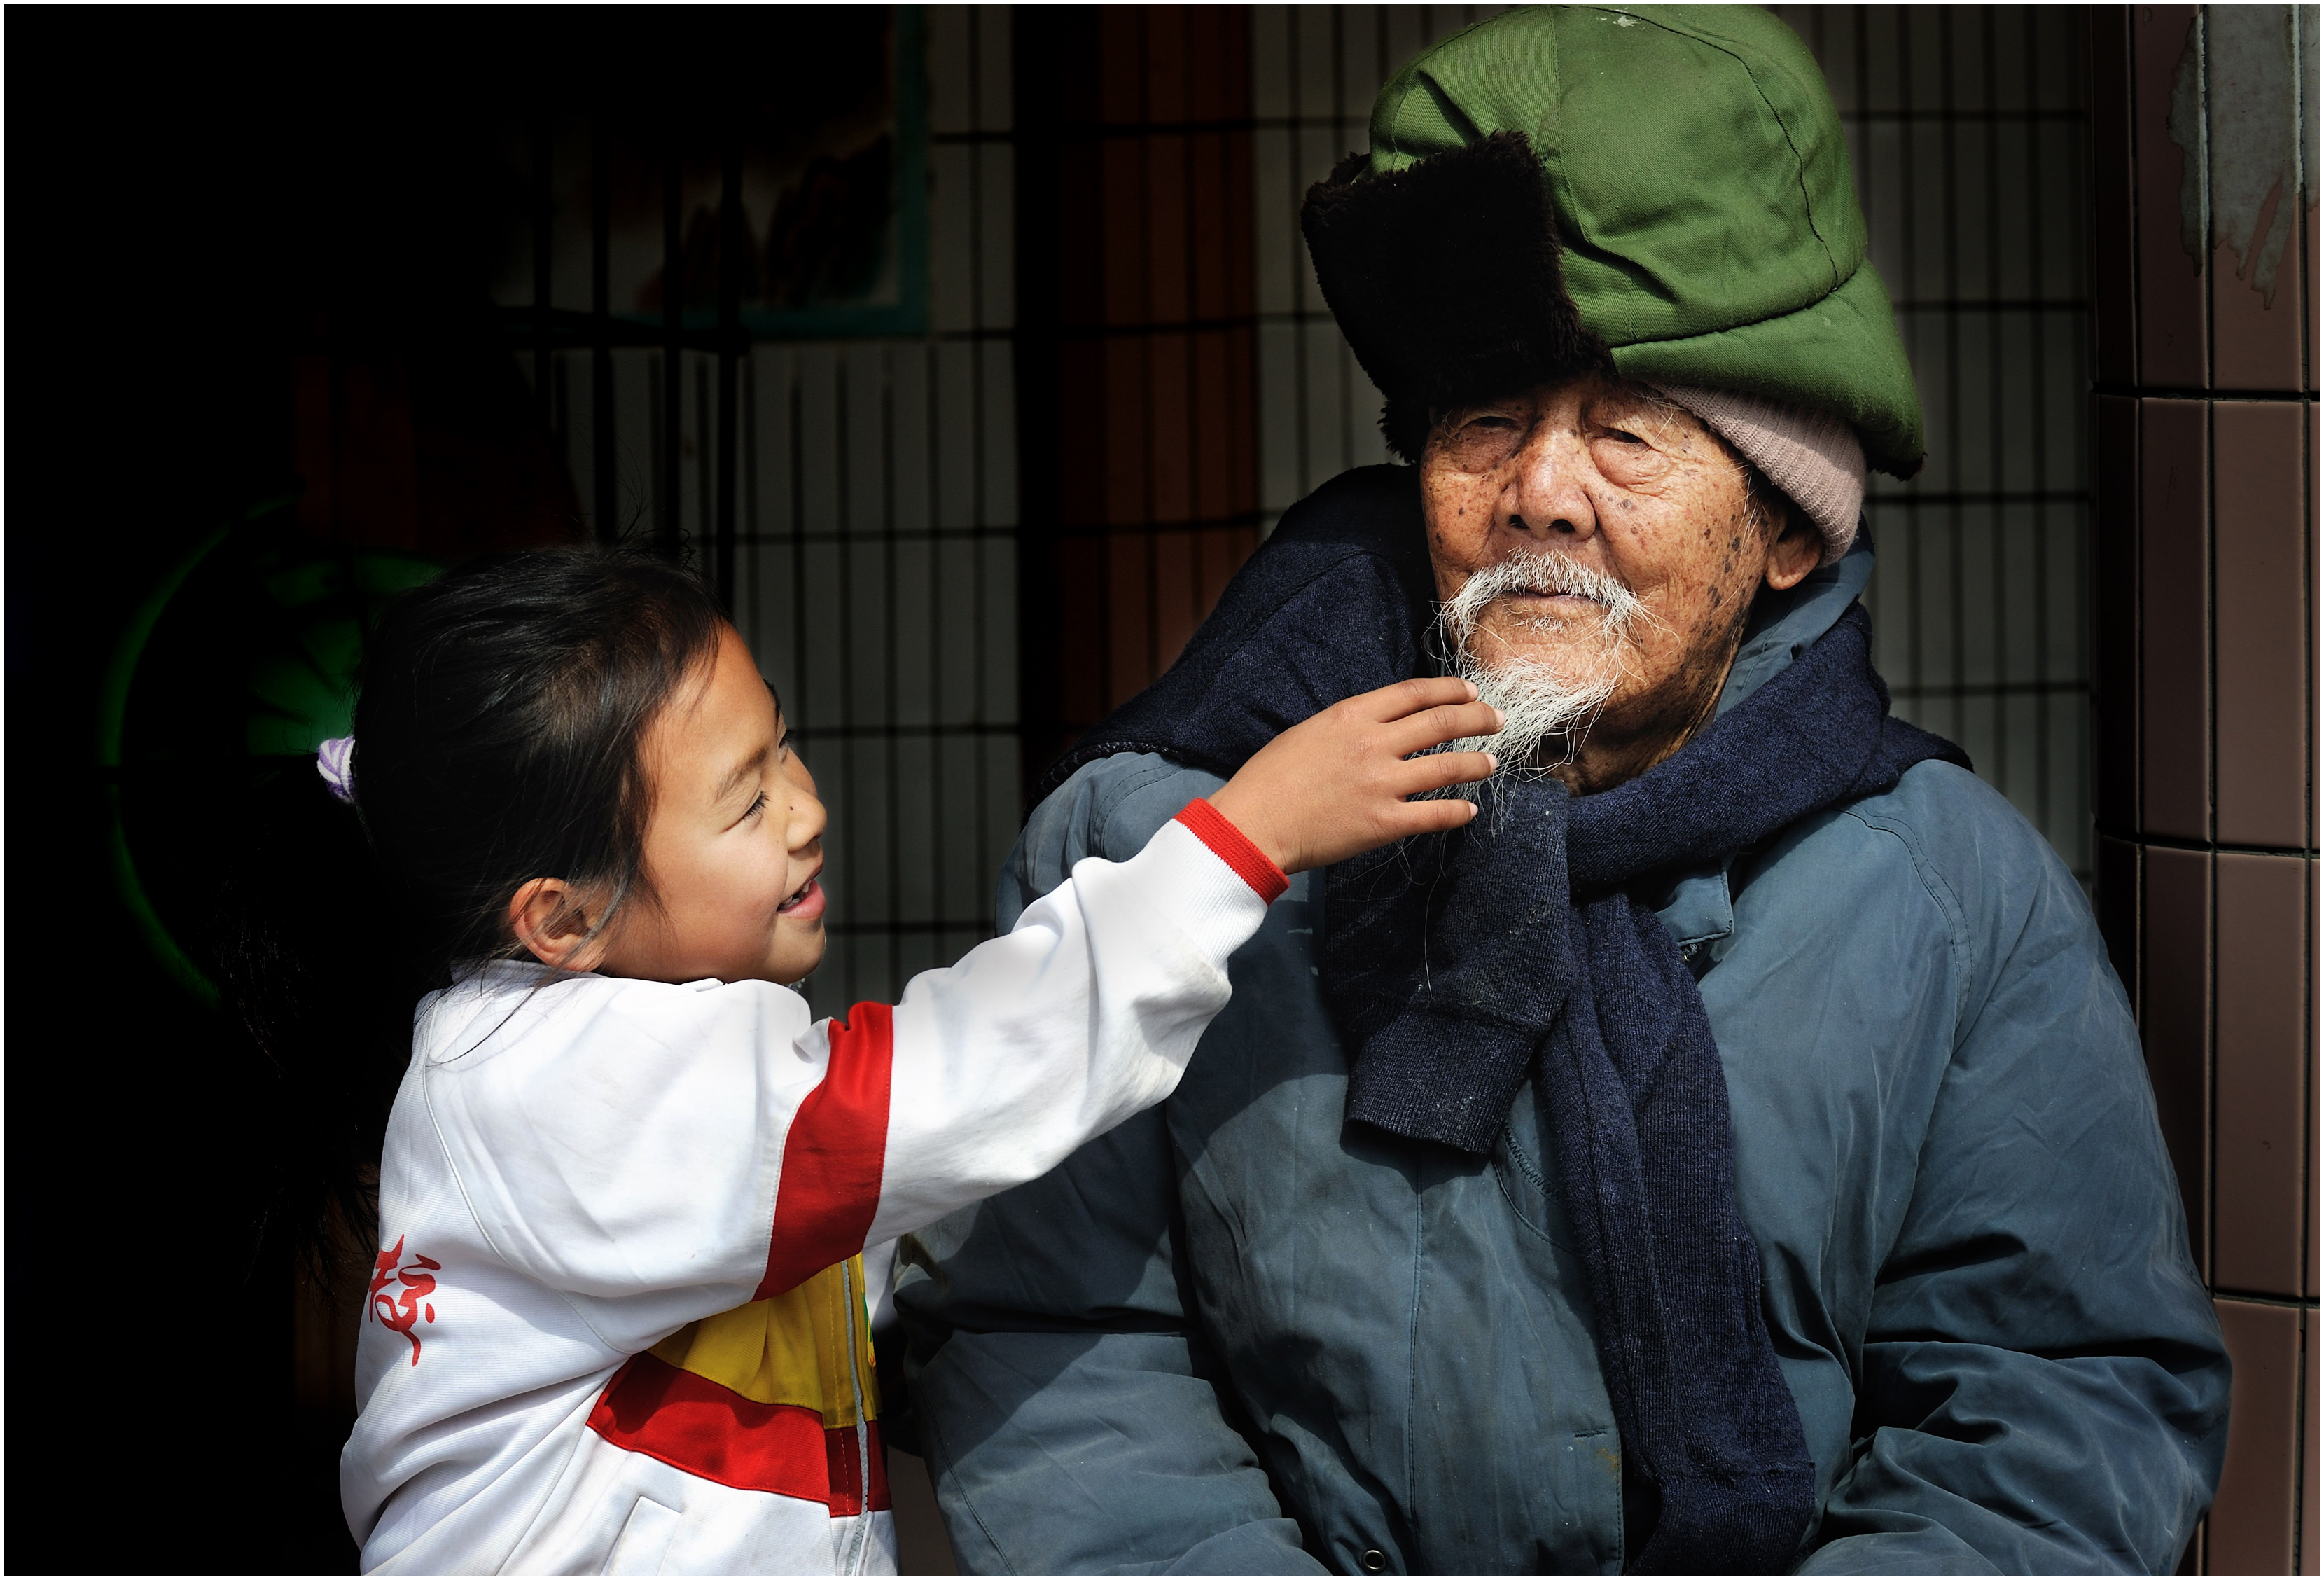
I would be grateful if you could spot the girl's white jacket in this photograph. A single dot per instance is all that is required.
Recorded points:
(617, 1320)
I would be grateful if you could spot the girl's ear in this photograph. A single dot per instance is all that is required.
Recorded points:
(547, 918)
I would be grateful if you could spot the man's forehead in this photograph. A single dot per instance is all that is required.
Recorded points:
(1593, 387)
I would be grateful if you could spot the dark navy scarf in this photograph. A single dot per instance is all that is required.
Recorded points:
(1528, 943)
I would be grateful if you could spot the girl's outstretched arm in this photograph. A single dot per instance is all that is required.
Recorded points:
(692, 1147)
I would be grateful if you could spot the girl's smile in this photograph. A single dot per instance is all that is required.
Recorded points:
(806, 903)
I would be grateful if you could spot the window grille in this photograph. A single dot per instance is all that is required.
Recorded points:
(1316, 71)
(1969, 133)
(855, 500)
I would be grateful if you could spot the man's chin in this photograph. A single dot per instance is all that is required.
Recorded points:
(1572, 654)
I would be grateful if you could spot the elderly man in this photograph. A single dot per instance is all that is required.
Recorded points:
(1732, 1151)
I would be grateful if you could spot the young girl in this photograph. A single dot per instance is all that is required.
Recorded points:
(616, 1322)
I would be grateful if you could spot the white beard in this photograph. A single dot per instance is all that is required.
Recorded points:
(1544, 716)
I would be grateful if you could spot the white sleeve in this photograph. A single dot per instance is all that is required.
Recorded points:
(667, 1152)
(991, 1072)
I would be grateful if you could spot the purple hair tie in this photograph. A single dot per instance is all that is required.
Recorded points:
(335, 760)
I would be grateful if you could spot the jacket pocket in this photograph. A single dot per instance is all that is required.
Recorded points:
(644, 1541)
(1521, 1166)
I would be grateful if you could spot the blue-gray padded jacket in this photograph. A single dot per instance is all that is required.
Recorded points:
(1239, 1334)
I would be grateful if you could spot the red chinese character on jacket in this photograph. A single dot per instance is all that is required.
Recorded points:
(402, 1310)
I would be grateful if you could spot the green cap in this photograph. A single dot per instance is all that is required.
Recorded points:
(1695, 179)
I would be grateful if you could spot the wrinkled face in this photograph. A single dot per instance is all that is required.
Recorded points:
(733, 844)
(1615, 550)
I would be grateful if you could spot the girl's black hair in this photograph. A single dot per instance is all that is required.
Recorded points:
(498, 738)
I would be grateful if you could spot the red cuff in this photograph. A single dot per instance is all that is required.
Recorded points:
(1227, 843)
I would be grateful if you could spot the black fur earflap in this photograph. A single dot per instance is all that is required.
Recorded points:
(1445, 280)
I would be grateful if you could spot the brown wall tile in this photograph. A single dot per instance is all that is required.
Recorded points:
(2311, 1542)
(2114, 268)
(2115, 472)
(2308, 274)
(2256, 343)
(2176, 1021)
(2174, 621)
(2259, 498)
(2250, 1527)
(2259, 1065)
(2170, 295)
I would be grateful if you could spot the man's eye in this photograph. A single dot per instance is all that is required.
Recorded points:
(1624, 435)
(1494, 421)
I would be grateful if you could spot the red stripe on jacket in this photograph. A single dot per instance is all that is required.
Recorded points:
(835, 1155)
(706, 1429)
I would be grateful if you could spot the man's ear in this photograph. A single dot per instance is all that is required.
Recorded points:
(547, 917)
(1797, 549)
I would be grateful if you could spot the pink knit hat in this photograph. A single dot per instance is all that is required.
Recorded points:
(1813, 456)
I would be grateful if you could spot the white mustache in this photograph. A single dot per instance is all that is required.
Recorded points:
(1531, 571)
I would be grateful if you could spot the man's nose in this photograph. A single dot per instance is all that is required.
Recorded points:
(1545, 499)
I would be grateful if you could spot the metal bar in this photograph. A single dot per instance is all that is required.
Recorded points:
(794, 434)
(568, 328)
(543, 214)
(1295, 263)
(1042, 44)
(884, 732)
(1949, 152)
(939, 886)
(851, 838)
(730, 351)
(1121, 688)
(1007, 533)
(601, 345)
(667, 527)
(889, 697)
(977, 638)
(1348, 391)
(979, 928)
(1190, 227)
(1996, 589)
(1994, 688)
(748, 587)
(705, 464)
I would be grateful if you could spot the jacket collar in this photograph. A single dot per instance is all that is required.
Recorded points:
(1785, 625)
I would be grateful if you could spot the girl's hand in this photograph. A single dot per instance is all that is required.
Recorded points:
(1340, 783)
